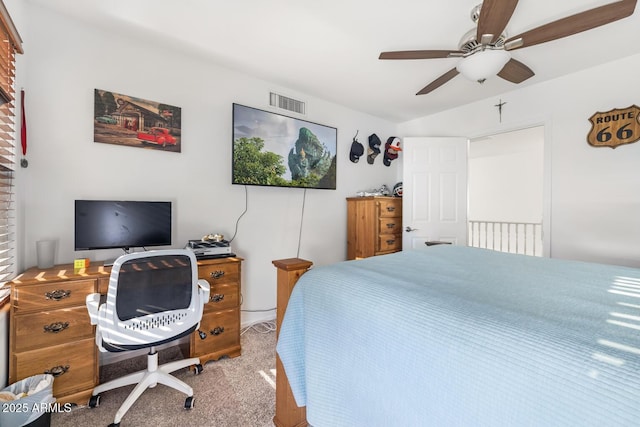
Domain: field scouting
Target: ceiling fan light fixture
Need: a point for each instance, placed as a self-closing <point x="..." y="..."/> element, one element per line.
<point x="483" y="64"/>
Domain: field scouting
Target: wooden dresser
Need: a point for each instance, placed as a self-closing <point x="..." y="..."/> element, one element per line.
<point x="50" y="329"/>
<point x="221" y="318"/>
<point x="374" y="226"/>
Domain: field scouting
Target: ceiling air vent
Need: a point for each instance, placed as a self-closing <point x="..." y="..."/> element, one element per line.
<point x="286" y="103"/>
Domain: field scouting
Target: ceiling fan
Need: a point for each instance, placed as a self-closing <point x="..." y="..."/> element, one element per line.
<point x="485" y="50"/>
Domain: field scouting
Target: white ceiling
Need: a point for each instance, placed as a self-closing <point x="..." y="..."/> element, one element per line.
<point x="330" y="48"/>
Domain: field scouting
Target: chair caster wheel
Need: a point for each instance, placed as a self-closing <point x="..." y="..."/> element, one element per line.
<point x="94" y="401"/>
<point x="197" y="370"/>
<point x="188" y="403"/>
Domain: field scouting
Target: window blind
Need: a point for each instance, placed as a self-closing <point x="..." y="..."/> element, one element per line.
<point x="10" y="44"/>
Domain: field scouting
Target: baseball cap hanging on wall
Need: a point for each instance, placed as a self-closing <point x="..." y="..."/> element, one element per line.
<point x="357" y="149"/>
<point x="374" y="148"/>
<point x="391" y="149"/>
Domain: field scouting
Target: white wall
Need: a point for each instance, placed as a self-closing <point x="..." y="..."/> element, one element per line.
<point x="595" y="192"/>
<point x="65" y="61"/>
<point x="506" y="176"/>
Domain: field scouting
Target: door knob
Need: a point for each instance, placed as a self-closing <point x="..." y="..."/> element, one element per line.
<point x="409" y="229"/>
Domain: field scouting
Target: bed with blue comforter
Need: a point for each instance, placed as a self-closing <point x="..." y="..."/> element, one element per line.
<point x="458" y="336"/>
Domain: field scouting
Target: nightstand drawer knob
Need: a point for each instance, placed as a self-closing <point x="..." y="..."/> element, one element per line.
<point x="56" y="371"/>
<point x="391" y="225"/>
<point x="391" y="208"/>
<point x="391" y="241"/>
<point x="217" y="330"/>
<point x="58" y="294"/>
<point x="217" y="298"/>
<point x="56" y="327"/>
<point x="217" y="274"/>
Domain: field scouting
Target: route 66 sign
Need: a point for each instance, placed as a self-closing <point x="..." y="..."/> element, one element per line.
<point x="615" y="127"/>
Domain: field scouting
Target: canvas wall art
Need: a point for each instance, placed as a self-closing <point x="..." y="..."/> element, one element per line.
<point x="135" y="122"/>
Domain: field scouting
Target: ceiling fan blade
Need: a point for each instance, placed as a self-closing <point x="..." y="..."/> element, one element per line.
<point x="494" y="16"/>
<point x="515" y="71"/>
<point x="573" y="24"/>
<point x="439" y="81"/>
<point x="420" y="54"/>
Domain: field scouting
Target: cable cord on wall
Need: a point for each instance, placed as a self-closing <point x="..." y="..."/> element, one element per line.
<point x="257" y="310"/>
<point x="246" y="207"/>
<point x="304" y="198"/>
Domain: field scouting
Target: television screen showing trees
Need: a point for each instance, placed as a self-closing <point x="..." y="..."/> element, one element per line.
<point x="271" y="149"/>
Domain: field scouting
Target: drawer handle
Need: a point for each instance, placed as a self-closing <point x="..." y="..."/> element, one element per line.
<point x="58" y="294"/>
<point x="391" y="242"/>
<point x="56" y="371"/>
<point x="391" y="225"/>
<point x="56" y="327"/>
<point x="217" y="274"/>
<point x="391" y="208"/>
<point x="217" y="297"/>
<point x="217" y="330"/>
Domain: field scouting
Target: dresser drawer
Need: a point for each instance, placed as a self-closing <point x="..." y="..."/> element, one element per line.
<point x="52" y="295"/>
<point x="47" y="328"/>
<point x="223" y="332"/>
<point x="387" y="208"/>
<point x="220" y="273"/>
<point x="389" y="242"/>
<point x="390" y="225"/>
<point x="73" y="365"/>
<point x="223" y="296"/>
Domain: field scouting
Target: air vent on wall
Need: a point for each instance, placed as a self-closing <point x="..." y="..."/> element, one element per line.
<point x="286" y="103"/>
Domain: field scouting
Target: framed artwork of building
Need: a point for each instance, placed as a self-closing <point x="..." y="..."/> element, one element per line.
<point x="135" y="122"/>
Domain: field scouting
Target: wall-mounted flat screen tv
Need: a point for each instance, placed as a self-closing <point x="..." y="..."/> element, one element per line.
<point x="270" y="149"/>
<point x="107" y="224"/>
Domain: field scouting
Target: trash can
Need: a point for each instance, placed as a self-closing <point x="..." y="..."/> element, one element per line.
<point x="32" y="408"/>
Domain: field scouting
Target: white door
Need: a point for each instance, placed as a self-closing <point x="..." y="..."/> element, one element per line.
<point x="434" y="180"/>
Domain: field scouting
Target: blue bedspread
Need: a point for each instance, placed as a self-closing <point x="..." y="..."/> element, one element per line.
<point x="457" y="336"/>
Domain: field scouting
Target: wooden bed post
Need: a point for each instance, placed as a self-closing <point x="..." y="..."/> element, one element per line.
<point x="288" y="414"/>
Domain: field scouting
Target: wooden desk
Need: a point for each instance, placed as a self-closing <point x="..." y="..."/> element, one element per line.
<point x="50" y="330"/>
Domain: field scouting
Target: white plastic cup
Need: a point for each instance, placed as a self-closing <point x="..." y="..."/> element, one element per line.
<point x="46" y="253"/>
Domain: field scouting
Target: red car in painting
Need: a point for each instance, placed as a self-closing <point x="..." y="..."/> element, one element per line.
<point x="156" y="135"/>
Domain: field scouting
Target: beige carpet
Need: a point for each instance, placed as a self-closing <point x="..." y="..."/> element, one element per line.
<point x="228" y="393"/>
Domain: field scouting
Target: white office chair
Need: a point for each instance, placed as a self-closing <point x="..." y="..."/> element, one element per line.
<point x="154" y="297"/>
